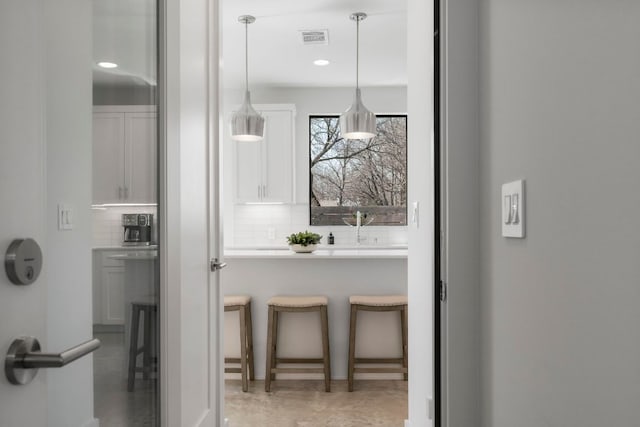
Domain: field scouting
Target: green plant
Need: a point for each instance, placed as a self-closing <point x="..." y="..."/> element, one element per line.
<point x="304" y="238"/>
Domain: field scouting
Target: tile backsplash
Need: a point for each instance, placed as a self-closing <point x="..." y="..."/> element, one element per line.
<point x="267" y="225"/>
<point x="107" y="223"/>
<point x="254" y="225"/>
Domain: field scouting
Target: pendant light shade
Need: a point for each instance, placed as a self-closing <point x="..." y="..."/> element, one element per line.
<point x="247" y="124"/>
<point x="358" y="122"/>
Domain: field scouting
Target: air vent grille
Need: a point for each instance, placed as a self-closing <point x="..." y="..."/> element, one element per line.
<point x="315" y="36"/>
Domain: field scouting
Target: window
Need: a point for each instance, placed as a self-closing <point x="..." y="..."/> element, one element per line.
<point x="350" y="176"/>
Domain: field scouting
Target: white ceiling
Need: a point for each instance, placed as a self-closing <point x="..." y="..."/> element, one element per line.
<point x="124" y="32"/>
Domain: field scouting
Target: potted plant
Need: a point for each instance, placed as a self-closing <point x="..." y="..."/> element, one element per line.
<point x="304" y="241"/>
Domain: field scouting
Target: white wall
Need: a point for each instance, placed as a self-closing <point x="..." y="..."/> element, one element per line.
<point x="560" y="84"/>
<point x="68" y="253"/>
<point x="247" y="225"/>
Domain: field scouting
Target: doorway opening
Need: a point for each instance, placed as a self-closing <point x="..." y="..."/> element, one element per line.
<point x="259" y="214"/>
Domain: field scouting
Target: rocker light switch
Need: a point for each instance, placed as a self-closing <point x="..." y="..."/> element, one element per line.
<point x="513" y="209"/>
<point x="65" y="217"/>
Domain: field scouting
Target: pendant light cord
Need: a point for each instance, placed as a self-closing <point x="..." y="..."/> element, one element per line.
<point x="246" y="56"/>
<point x="357" y="53"/>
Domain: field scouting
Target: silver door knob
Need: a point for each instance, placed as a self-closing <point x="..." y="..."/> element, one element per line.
<point x="24" y="358"/>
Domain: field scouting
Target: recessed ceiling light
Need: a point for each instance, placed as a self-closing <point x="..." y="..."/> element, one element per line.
<point x="107" y="64"/>
<point x="321" y="62"/>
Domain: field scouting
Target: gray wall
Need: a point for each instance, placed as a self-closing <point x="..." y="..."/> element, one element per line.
<point x="461" y="169"/>
<point x="560" y="87"/>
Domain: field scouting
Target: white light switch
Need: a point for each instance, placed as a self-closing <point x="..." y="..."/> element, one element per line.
<point x="513" y="209"/>
<point x="65" y="217"/>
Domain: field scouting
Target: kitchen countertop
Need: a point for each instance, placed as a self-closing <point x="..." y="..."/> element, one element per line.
<point x="125" y="248"/>
<point x="323" y="252"/>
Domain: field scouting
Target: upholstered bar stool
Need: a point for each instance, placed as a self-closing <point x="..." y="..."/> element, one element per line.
<point x="296" y="304"/>
<point x="242" y="304"/>
<point x="377" y="303"/>
<point x="147" y="312"/>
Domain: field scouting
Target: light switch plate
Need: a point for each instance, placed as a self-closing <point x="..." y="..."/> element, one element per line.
<point x="65" y="217"/>
<point x="513" y="209"/>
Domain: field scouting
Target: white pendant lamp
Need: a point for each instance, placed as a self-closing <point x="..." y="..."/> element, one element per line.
<point x="358" y="122"/>
<point x="247" y="124"/>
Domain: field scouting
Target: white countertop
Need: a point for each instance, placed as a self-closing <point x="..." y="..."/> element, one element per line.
<point x="324" y="252"/>
<point x="126" y="248"/>
<point x="135" y="255"/>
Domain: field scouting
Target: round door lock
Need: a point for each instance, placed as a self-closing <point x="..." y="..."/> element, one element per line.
<point x="23" y="261"/>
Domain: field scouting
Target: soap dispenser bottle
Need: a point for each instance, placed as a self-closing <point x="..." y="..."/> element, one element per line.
<point x="331" y="239"/>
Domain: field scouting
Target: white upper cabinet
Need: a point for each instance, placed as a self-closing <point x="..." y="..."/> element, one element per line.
<point x="124" y="154"/>
<point x="264" y="170"/>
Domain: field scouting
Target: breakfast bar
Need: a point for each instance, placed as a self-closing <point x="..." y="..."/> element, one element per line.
<point x="335" y="272"/>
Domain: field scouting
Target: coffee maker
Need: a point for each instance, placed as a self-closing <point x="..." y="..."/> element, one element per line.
<point x="137" y="229"/>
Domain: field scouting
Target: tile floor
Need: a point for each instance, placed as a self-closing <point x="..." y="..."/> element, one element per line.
<point x="114" y="406"/>
<point x="306" y="404"/>
<point x="289" y="404"/>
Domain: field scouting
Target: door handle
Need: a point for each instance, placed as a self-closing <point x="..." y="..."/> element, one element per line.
<point x="217" y="265"/>
<point x="24" y="358"/>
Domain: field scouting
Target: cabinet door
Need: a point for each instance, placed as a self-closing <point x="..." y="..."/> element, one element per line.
<point x="140" y="158"/>
<point x="113" y="295"/>
<point x="278" y="168"/>
<point x="248" y="171"/>
<point x="108" y="157"/>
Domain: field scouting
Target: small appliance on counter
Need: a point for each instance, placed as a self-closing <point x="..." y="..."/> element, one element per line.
<point x="137" y="229"/>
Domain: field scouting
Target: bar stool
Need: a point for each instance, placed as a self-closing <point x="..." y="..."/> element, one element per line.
<point x="148" y="312"/>
<point x="377" y="303"/>
<point x="296" y="304"/>
<point x="242" y="304"/>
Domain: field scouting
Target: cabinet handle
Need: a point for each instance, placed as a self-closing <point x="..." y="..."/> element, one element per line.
<point x="258" y="191"/>
<point x="119" y="193"/>
<point x="264" y="191"/>
<point x="126" y="192"/>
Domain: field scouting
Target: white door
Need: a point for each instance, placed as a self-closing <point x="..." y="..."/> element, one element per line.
<point x="45" y="162"/>
<point x="45" y="158"/>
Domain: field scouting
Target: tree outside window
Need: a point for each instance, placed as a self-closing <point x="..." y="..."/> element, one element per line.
<point x="347" y="176"/>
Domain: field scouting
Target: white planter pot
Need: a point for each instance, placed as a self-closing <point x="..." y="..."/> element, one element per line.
<point x="303" y="249"/>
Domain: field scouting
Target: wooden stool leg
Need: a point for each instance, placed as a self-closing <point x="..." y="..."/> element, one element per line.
<point x="276" y="323"/>
<point x="146" y="339"/>
<point x="405" y="340"/>
<point x="133" y="347"/>
<point x="270" y="348"/>
<point x="249" y="322"/>
<point x="324" y="321"/>
<point x="352" y="346"/>
<point x="243" y="349"/>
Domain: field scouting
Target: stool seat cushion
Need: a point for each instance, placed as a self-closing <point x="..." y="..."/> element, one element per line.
<point x="378" y="300"/>
<point x="297" y="301"/>
<point x="230" y="300"/>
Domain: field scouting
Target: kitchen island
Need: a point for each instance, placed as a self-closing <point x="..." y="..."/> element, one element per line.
<point x="336" y="272"/>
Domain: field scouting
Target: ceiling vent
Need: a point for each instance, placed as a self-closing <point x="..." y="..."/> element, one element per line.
<point x="315" y="36"/>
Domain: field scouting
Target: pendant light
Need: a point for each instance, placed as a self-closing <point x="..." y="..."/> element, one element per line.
<point x="247" y="124"/>
<point x="358" y="122"/>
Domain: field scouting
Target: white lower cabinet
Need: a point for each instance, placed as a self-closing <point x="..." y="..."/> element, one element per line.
<point x="108" y="289"/>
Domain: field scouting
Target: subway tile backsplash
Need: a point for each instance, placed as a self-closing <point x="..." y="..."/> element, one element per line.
<point x="269" y="225"/>
<point x="254" y="225"/>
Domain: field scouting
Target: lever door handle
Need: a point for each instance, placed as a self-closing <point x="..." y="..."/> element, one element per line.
<point x="217" y="265"/>
<point x="24" y="358"/>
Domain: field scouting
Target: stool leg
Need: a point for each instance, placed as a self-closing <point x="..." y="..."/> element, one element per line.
<point x="405" y="341"/>
<point x="267" y="374"/>
<point x="274" y="358"/>
<point x="133" y="347"/>
<point x="250" y="358"/>
<point x="324" y="320"/>
<point x="352" y="346"/>
<point x="146" y="339"/>
<point x="243" y="349"/>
